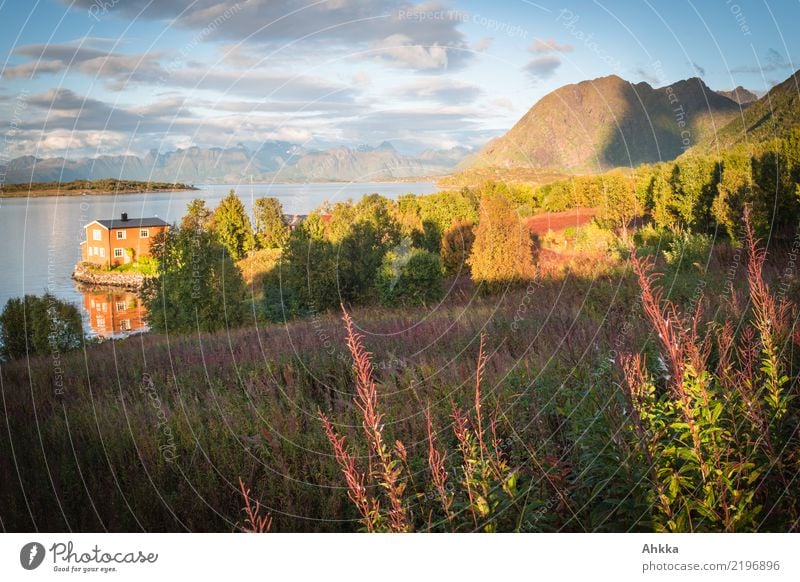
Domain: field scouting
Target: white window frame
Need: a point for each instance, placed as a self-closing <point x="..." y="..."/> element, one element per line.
<point x="96" y="234"/>
<point x="122" y="306"/>
<point x="125" y="324"/>
<point x="89" y="251"/>
<point x="122" y="235"/>
<point x="102" y="252"/>
<point x="119" y="253"/>
<point x="144" y="233"/>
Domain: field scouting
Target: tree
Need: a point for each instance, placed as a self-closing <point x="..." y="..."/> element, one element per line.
<point x="232" y="226"/>
<point x="198" y="287"/>
<point x="410" y="276"/>
<point x="735" y="190"/>
<point x="502" y="253"/>
<point x="443" y="208"/>
<point x="620" y="205"/>
<point x="39" y="325"/>
<point x="307" y="279"/>
<point x="456" y="246"/>
<point x="198" y="216"/>
<point x="271" y="230"/>
<point x="694" y="180"/>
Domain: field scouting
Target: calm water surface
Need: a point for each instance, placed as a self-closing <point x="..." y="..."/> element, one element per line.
<point x="41" y="236"/>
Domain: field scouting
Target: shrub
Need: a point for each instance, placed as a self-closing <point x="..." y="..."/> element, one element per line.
<point x="39" y="325"/>
<point x="410" y="276"/>
<point x="687" y="249"/>
<point x="594" y="239"/>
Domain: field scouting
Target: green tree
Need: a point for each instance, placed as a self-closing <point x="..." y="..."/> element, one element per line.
<point x="620" y="205"/>
<point x="306" y="281"/>
<point x="694" y="181"/>
<point x="39" y="325"/>
<point x="502" y="253"/>
<point x="198" y="216"/>
<point x="456" y="247"/>
<point x="198" y="288"/>
<point x="232" y="226"/>
<point x="662" y="199"/>
<point x="410" y="276"/>
<point x="271" y="230"/>
<point x="443" y="208"/>
<point x="735" y="190"/>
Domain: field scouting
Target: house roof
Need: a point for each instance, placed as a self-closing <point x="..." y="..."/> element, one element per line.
<point x="131" y="223"/>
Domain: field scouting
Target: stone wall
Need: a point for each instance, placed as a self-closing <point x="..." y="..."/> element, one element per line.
<point x="91" y="276"/>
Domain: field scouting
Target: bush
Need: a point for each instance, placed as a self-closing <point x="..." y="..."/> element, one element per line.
<point x="593" y="239"/>
<point x="410" y="276"/>
<point x="688" y="249"/>
<point x="39" y="325"/>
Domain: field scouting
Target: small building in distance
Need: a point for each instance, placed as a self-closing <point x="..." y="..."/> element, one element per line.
<point x="114" y="242"/>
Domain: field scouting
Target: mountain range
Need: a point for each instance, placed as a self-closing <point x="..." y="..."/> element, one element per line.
<point x="609" y="122"/>
<point x="586" y="127"/>
<point x="279" y="161"/>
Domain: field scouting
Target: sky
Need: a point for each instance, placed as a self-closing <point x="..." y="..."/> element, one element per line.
<point x="96" y="77"/>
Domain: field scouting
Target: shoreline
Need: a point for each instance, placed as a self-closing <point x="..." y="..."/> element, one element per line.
<point x="71" y="193"/>
<point x="128" y="281"/>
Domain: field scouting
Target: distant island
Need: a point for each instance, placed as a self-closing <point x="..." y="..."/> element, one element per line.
<point x="80" y="187"/>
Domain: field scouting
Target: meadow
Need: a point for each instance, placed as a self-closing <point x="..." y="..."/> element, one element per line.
<point x="153" y="433"/>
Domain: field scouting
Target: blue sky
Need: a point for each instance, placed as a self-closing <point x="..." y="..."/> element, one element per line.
<point x="91" y="77"/>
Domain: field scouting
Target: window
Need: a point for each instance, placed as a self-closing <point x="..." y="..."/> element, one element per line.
<point x="102" y="251"/>
<point x="96" y="235"/>
<point x="144" y="233"/>
<point x="89" y="251"/>
<point x="121" y="306"/>
<point x="118" y="253"/>
<point x="120" y="234"/>
<point x="101" y="322"/>
<point x="125" y="324"/>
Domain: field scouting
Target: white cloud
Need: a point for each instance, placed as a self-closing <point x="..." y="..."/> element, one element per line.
<point x="549" y="46"/>
<point x="543" y="67"/>
<point x="399" y="50"/>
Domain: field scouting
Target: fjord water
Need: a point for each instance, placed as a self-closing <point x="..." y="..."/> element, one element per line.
<point x="41" y="236"/>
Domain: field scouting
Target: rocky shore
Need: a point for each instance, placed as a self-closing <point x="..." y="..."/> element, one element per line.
<point x="88" y="275"/>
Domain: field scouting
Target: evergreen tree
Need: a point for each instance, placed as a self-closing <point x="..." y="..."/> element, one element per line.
<point x="271" y="230"/>
<point x="232" y="226"/>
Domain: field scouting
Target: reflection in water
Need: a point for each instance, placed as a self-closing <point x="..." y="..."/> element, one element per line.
<point x="113" y="312"/>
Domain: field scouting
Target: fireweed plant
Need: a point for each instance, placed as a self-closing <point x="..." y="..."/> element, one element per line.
<point x="470" y="488"/>
<point x="718" y="429"/>
<point x="711" y="425"/>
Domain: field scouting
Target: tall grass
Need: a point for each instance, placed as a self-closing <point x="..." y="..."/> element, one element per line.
<point x="151" y="433"/>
